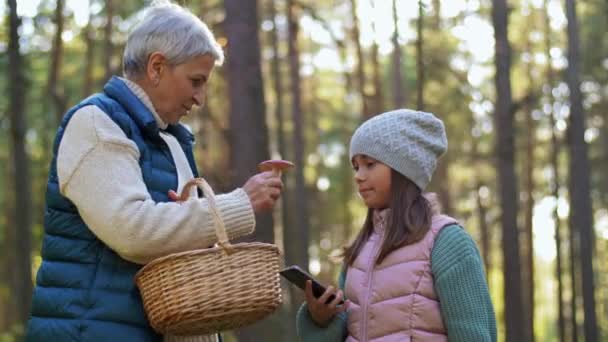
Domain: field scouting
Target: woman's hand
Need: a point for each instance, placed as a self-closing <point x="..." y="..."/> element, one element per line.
<point x="263" y="190"/>
<point x="320" y="311"/>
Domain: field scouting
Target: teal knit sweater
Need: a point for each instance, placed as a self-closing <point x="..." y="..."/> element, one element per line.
<point x="460" y="283"/>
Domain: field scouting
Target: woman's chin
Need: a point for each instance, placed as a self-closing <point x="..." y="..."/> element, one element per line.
<point x="175" y="118"/>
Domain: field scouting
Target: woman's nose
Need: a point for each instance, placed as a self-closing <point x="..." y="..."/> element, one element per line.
<point x="199" y="98"/>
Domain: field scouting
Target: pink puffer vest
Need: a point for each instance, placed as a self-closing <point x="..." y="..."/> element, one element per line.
<point x="395" y="300"/>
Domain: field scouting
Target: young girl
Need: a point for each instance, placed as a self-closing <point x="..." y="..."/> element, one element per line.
<point x="411" y="274"/>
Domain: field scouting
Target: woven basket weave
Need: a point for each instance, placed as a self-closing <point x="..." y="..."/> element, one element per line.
<point x="210" y="290"/>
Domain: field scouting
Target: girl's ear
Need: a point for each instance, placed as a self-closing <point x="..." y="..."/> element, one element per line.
<point x="157" y="63"/>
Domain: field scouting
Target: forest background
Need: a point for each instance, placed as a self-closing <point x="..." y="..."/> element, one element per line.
<point x="522" y="87"/>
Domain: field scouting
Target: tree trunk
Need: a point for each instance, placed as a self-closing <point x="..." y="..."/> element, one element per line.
<point x="603" y="189"/>
<point x="19" y="234"/>
<point x="437" y="15"/>
<point x="346" y="182"/>
<point x="108" y="45"/>
<point x="296" y="251"/>
<point x="247" y="106"/>
<point x="507" y="180"/>
<point x="366" y="113"/>
<point x="7" y="305"/>
<point x="89" y="41"/>
<point x="559" y="268"/>
<point x="481" y="211"/>
<point x="485" y="232"/>
<point x="442" y="173"/>
<point x="581" y="212"/>
<point x="279" y="106"/>
<point x="248" y="114"/>
<point x="213" y="140"/>
<point x="378" y="102"/>
<point x="555" y="147"/>
<point x="288" y="323"/>
<point x="573" y="236"/>
<point x="442" y="179"/>
<point x="399" y="91"/>
<point x="528" y="236"/>
<point x="312" y="131"/>
<point x="5" y="311"/>
<point x="420" y="58"/>
<point x="200" y="117"/>
<point x="54" y="89"/>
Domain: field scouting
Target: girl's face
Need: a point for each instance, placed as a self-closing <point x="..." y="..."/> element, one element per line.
<point x="373" y="180"/>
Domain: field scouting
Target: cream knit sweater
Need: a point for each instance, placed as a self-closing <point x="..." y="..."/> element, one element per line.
<point x="98" y="170"/>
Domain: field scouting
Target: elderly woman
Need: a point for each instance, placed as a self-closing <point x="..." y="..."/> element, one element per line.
<point x="117" y="154"/>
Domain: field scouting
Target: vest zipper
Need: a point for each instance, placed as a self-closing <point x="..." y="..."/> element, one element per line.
<point x="370" y="277"/>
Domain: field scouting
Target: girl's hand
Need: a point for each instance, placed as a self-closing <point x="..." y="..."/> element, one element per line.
<point x="321" y="312"/>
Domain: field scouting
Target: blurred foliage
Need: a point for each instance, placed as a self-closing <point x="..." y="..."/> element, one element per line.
<point x="332" y="112"/>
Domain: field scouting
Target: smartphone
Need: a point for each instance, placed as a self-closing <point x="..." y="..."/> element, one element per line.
<point x="298" y="277"/>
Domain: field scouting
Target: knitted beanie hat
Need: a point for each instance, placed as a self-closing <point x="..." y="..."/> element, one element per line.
<point x="408" y="141"/>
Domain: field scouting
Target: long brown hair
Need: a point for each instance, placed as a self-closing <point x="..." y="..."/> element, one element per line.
<point x="408" y="221"/>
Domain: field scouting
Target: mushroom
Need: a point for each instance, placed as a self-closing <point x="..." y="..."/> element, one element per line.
<point x="275" y="165"/>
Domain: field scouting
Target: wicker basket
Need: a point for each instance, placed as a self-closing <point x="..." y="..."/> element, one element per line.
<point x="210" y="290"/>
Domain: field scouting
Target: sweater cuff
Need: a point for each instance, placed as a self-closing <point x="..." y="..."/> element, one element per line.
<point x="309" y="331"/>
<point x="200" y="338"/>
<point x="237" y="213"/>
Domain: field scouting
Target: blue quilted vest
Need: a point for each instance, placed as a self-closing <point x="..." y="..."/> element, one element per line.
<point x="84" y="290"/>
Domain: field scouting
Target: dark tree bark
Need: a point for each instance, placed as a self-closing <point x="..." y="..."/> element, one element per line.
<point x="248" y="130"/>
<point x="365" y="109"/>
<point x="481" y="211"/>
<point x="378" y="100"/>
<point x="507" y="180"/>
<point x="485" y="232"/>
<point x="555" y="183"/>
<point x="288" y="324"/>
<point x="442" y="179"/>
<point x="18" y="238"/>
<point x="213" y="139"/>
<point x="8" y="209"/>
<point x="436" y="15"/>
<point x="88" y="35"/>
<point x="279" y="105"/>
<point x="55" y="90"/>
<point x="297" y="235"/>
<point x="213" y="135"/>
<point x="399" y="91"/>
<point x="108" y="45"/>
<point x="346" y="183"/>
<point x="575" y="282"/>
<point x="420" y="58"/>
<point x="527" y="251"/>
<point x="581" y="212"/>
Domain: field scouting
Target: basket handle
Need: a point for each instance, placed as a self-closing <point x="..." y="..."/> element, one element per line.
<point x="220" y="227"/>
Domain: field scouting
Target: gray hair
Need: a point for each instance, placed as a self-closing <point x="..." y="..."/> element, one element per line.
<point x="171" y="30"/>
